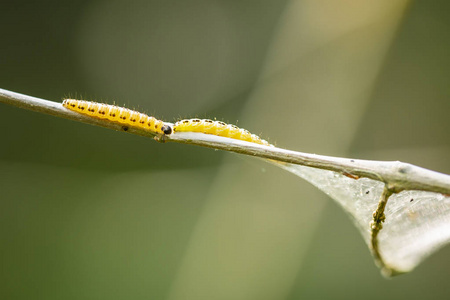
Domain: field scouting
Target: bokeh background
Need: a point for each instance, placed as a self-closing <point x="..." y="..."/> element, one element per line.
<point x="89" y="213"/>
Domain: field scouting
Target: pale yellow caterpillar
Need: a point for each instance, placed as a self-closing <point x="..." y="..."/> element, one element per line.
<point x="119" y="115"/>
<point x="131" y="118"/>
<point x="218" y="128"/>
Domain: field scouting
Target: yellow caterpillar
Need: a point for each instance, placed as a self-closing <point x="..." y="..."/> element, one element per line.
<point x="131" y="118"/>
<point x="120" y="115"/>
<point x="218" y="128"/>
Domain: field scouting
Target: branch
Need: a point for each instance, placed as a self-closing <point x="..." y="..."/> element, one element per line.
<point x="396" y="175"/>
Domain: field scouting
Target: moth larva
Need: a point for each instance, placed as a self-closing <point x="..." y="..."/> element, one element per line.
<point x="117" y="114"/>
<point x="218" y="128"/>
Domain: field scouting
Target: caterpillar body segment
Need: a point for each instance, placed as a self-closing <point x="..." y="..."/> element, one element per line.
<point x="218" y="128"/>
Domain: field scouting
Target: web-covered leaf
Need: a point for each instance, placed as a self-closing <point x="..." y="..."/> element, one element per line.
<point x="417" y="222"/>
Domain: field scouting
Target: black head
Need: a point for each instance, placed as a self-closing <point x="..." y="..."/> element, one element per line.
<point x="167" y="129"/>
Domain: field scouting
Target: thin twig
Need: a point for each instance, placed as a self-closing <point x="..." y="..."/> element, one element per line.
<point x="399" y="176"/>
<point x="375" y="226"/>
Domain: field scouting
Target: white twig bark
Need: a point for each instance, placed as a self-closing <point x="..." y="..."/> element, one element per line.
<point x="397" y="176"/>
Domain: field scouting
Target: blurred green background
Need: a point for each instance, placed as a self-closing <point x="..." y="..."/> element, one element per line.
<point x="89" y="213"/>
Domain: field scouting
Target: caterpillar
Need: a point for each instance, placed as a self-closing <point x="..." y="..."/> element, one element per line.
<point x="119" y="115"/>
<point x="128" y="117"/>
<point x="218" y="128"/>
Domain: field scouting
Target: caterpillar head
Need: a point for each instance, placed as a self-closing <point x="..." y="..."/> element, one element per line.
<point x="167" y="129"/>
